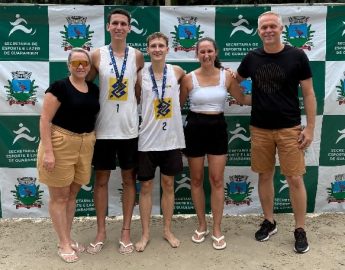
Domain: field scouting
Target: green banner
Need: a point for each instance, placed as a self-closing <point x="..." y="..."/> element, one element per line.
<point x="144" y="21"/>
<point x="183" y="197"/>
<point x="318" y="70"/>
<point x="238" y="141"/>
<point x="85" y="203"/>
<point x="332" y="148"/>
<point x="335" y="29"/>
<point x="282" y="203"/>
<point x="19" y="141"/>
<point x="24" y="30"/>
<point x="236" y="31"/>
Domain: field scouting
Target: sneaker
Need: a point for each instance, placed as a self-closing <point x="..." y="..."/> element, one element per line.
<point x="301" y="244"/>
<point x="267" y="229"/>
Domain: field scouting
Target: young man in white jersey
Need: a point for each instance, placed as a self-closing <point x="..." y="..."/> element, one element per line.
<point x="160" y="135"/>
<point x="117" y="125"/>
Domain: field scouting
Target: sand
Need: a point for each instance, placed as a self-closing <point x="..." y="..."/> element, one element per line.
<point x="31" y="244"/>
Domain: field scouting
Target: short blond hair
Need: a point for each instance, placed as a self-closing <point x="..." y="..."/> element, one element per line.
<point x="77" y="49"/>
<point x="280" y="20"/>
<point x="157" y="35"/>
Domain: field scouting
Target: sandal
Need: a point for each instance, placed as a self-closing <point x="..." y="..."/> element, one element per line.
<point x="68" y="257"/>
<point x="78" y="247"/>
<point x="126" y="249"/>
<point x="95" y="248"/>
<point x="199" y="234"/>
<point x="216" y="242"/>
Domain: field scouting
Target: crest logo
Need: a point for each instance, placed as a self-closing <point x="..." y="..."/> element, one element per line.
<point x="19" y="25"/>
<point x="246" y="87"/>
<point x="27" y="194"/>
<point x="299" y="33"/>
<point x="76" y="34"/>
<point x="238" y="190"/>
<point x="341" y="91"/>
<point x="186" y="34"/>
<point x="21" y="90"/>
<point x="336" y="193"/>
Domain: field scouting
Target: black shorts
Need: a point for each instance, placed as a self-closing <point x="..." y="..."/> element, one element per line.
<point x="205" y="134"/>
<point x="108" y="151"/>
<point x="169" y="162"/>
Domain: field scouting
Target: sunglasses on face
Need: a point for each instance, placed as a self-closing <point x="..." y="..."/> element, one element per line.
<point x="77" y="63"/>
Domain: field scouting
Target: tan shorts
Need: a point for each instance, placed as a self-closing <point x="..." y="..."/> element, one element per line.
<point x="264" y="143"/>
<point x="73" y="154"/>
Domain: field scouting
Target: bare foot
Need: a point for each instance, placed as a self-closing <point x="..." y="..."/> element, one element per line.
<point x="141" y="245"/>
<point x="173" y="241"/>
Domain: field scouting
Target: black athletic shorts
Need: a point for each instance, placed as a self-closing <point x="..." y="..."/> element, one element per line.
<point x="205" y="134"/>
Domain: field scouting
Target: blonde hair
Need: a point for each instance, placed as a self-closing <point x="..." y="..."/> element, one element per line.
<point x="77" y="49"/>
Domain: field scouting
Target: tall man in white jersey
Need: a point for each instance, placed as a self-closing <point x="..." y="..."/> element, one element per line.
<point x="160" y="135"/>
<point x="117" y="125"/>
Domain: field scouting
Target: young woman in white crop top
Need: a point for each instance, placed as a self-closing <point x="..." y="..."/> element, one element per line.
<point x="206" y="134"/>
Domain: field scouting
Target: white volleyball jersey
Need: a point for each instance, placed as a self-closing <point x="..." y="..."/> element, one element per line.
<point x="118" y="116"/>
<point x="161" y="127"/>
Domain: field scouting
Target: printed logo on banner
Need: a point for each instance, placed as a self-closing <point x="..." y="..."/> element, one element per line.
<point x="22" y="133"/>
<point x="24" y="29"/>
<point x="238" y="191"/>
<point x="19" y="141"/>
<point x="341" y="91"/>
<point x="239" y="141"/>
<point x="236" y="31"/>
<point x="299" y="33"/>
<point x="137" y="193"/>
<point x="282" y="200"/>
<point x="246" y="87"/>
<point x="84" y="204"/>
<point x="76" y="34"/>
<point x="341" y="135"/>
<point x="183" y="199"/>
<point x="186" y="34"/>
<point x="282" y="203"/>
<point x="21" y="90"/>
<point x="27" y="194"/>
<point x="20" y="24"/>
<point x="243" y="25"/>
<point x="332" y="148"/>
<point x="336" y="193"/>
<point x="135" y="27"/>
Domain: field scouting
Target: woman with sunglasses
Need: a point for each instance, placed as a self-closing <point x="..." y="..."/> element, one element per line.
<point x="65" y="152"/>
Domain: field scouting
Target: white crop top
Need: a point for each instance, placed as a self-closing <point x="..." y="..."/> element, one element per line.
<point x="208" y="98"/>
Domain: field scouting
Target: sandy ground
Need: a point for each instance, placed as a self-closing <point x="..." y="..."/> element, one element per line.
<point x="31" y="244"/>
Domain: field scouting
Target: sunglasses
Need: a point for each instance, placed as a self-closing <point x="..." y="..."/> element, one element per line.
<point x="77" y="63"/>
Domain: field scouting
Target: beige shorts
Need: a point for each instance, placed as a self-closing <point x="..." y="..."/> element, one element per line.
<point x="73" y="155"/>
<point x="264" y="143"/>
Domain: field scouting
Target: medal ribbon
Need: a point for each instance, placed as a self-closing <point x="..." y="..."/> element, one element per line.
<point x="119" y="77"/>
<point x="154" y="84"/>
